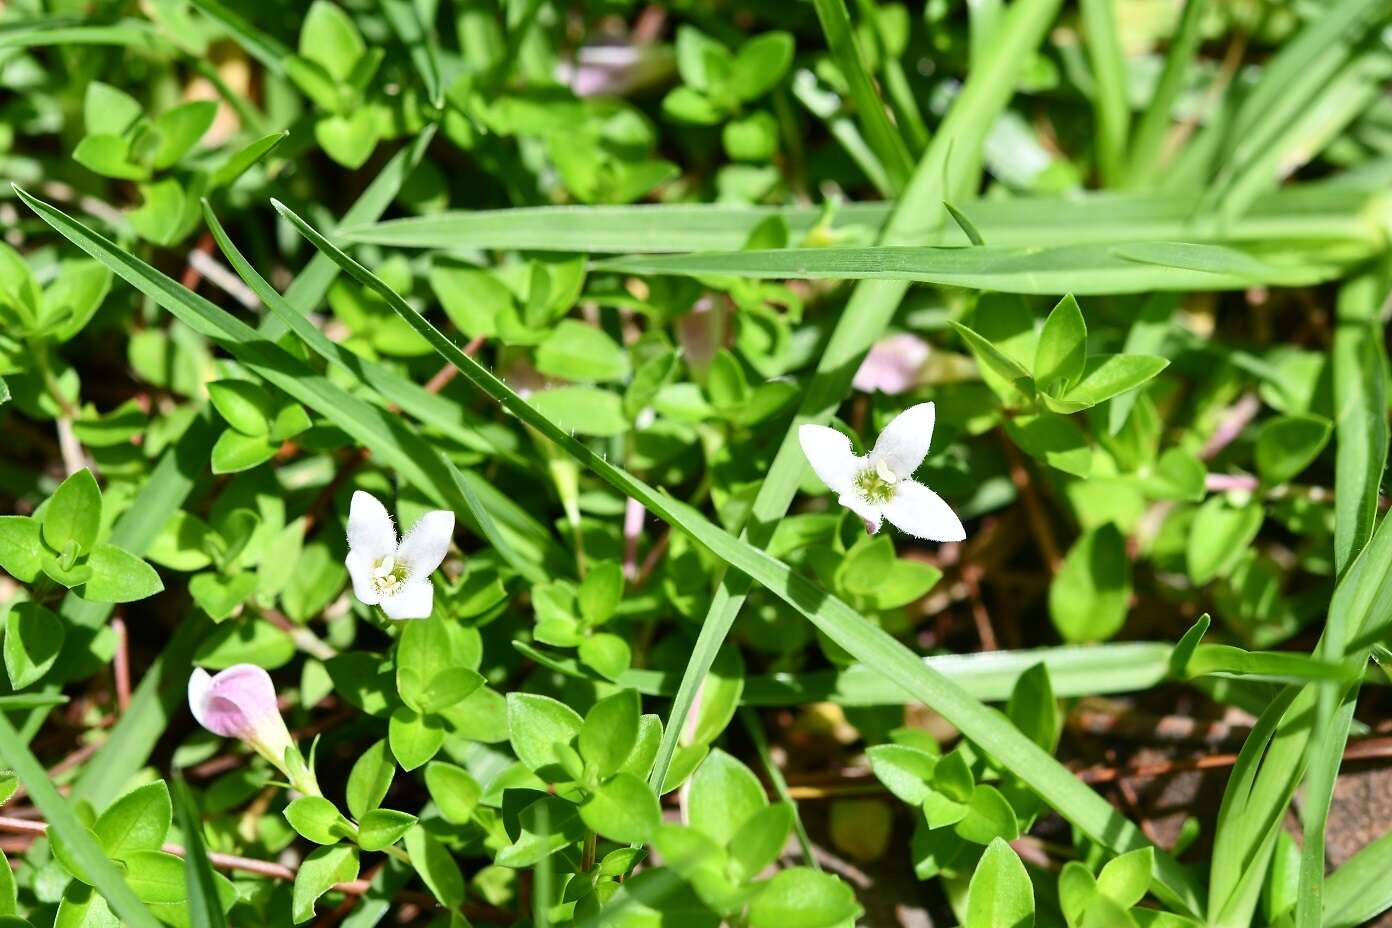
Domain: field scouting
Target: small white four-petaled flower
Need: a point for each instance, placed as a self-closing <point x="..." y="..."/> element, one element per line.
<point x="395" y="575"/>
<point x="880" y="485"/>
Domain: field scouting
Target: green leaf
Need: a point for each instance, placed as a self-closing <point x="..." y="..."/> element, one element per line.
<point x="609" y="732"/>
<point x="329" y="37"/>
<point x="414" y="738"/>
<point x="20" y="543"/>
<point x="535" y="724"/>
<point x="1287" y="445"/>
<point x="436" y="866"/>
<point x="905" y="771"/>
<point x="760" y="841"/>
<point x="370" y="779"/>
<point x="157" y="878"/>
<point x="138" y="821"/>
<point x="582" y="410"/>
<point x="1219" y="536"/>
<point x="608" y="655"/>
<point x="1000" y="894"/>
<point x="600" y="592"/>
<point x="1055" y="440"/>
<point x="804" y="897"/>
<point x="576" y="351"/>
<point x="33" y="640"/>
<point x="1000" y="363"/>
<point x="1089" y="596"/>
<point x="349" y="139"/>
<point x="180" y="129"/>
<point x="160" y="216"/>
<point x="1062" y="351"/>
<point x="1106" y="376"/>
<point x="1125" y="879"/>
<point x="724" y="794"/>
<point x="382" y="828"/>
<point x="119" y="576"/>
<point x="108" y="155"/>
<point x="246" y="406"/>
<point x="1077" y="888"/>
<point x="242" y="160"/>
<point x="73" y="513"/>
<point x="454" y="790"/>
<point x="319" y="820"/>
<point x="317" y="875"/>
<point x="235" y="452"/>
<point x="1033" y="709"/>
<point x="989" y="816"/>
<point x="623" y="809"/>
<point x="107" y="110"/>
<point x="760" y="63"/>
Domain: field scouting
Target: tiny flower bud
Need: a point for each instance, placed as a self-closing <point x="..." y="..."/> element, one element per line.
<point x="240" y="702"/>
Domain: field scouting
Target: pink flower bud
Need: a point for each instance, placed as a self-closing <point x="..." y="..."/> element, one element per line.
<point x="892" y="365"/>
<point x="240" y="702"/>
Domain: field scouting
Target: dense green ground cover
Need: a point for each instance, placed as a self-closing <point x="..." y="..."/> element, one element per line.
<point x="784" y="465"/>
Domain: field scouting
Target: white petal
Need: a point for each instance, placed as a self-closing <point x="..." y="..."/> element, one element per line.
<point x="866" y="510"/>
<point x="200" y="682"/>
<point x="918" y="511"/>
<point x="904" y="443"/>
<point x="425" y="544"/>
<point x="414" y="601"/>
<point x="370" y="529"/>
<point x="829" y="452"/>
<point x="360" y="570"/>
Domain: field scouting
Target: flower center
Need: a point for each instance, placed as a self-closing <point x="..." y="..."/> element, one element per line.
<point x="876" y="483"/>
<point x="388" y="575"/>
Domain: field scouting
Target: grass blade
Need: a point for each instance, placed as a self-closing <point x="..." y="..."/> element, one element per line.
<point x="988" y="676"/>
<point x="864" y="640"/>
<point x="1113" y="113"/>
<point x="76" y="836"/>
<point x="1359" y="891"/>
<point x="405" y="20"/>
<point x="1147" y="145"/>
<point x="204" y="906"/>
<point x="884" y="139"/>
<point x="1360" y="398"/>
<point x="1307" y="214"/>
<point x="267" y="49"/>
<point x="314" y="280"/>
<point x="1079" y="269"/>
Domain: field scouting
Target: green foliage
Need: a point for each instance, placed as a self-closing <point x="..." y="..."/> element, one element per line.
<point x="571" y="289"/>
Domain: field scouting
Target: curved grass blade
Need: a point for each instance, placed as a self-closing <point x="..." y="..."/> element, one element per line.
<point x="843" y="625"/>
<point x="80" y="841"/>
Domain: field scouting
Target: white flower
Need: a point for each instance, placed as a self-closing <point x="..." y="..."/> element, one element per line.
<point x="880" y="485"/>
<point x="396" y="576"/>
